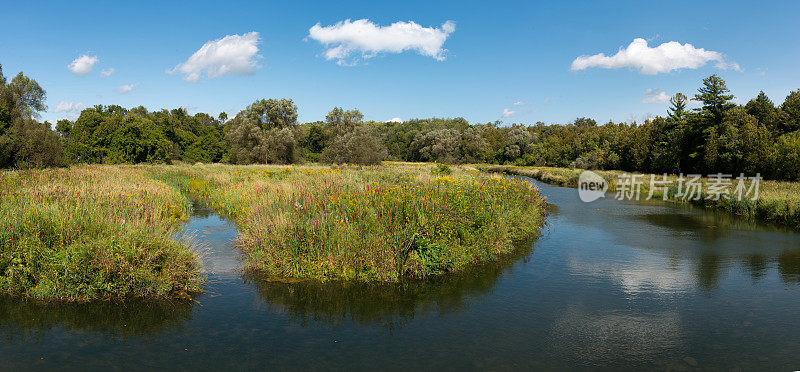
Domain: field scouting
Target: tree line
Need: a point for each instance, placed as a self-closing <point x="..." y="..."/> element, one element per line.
<point x="718" y="136"/>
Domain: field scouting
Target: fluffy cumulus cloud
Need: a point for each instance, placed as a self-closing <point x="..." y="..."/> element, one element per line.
<point x="83" y="64"/>
<point x="654" y="60"/>
<point x="394" y="120"/>
<point x="508" y="113"/>
<point x="68" y="107"/>
<point x="107" y="72"/>
<point x="232" y="54"/>
<point x="655" y="96"/>
<point x="125" y="89"/>
<point x="367" y="39"/>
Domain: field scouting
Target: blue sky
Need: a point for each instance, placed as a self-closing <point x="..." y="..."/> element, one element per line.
<point x="493" y="55"/>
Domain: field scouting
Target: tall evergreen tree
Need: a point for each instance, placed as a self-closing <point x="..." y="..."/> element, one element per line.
<point x="677" y="110"/>
<point x="716" y="100"/>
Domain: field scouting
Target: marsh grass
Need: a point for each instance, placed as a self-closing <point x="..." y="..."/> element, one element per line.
<point x="110" y="232"/>
<point x="92" y="232"/>
<point x="376" y="223"/>
<point x="778" y="202"/>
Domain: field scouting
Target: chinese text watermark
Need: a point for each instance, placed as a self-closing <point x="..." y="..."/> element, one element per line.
<point x="690" y="187"/>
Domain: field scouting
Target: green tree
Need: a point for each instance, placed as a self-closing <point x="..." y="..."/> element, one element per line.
<point x="787" y="157"/>
<point x="272" y="113"/>
<point x="24" y="142"/>
<point x="677" y="110"/>
<point x="264" y="132"/>
<point x="790" y="107"/>
<point x="359" y="146"/>
<point x="763" y="110"/>
<point x="340" y="121"/>
<point x="23" y="97"/>
<point x="585" y="122"/>
<point x="716" y="101"/>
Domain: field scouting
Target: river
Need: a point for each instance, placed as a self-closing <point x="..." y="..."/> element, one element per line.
<point x="609" y="285"/>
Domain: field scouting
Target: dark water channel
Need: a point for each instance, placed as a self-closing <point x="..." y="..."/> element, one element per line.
<point x="610" y="285"/>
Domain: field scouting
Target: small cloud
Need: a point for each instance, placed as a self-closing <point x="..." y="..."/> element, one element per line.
<point x="125" y="89"/>
<point x="83" y="64"/>
<point x="650" y="61"/>
<point x="394" y="120"/>
<point x="655" y="96"/>
<point x="107" y="72"/>
<point x="67" y="107"/>
<point x="521" y="103"/>
<point x="369" y="39"/>
<point x="547" y="100"/>
<point x="762" y="70"/>
<point x="508" y="113"/>
<point x="232" y="54"/>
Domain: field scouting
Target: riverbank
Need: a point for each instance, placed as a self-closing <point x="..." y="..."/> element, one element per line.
<point x="102" y="232"/>
<point x="778" y="202"/>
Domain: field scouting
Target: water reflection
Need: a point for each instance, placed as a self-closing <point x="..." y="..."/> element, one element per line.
<point x="789" y="266"/>
<point x="386" y="304"/>
<point x="24" y="319"/>
<point x="646" y="273"/>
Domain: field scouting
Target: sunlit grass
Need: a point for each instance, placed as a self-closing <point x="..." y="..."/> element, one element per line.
<point x="91" y="232"/>
<point x="100" y="232"/>
<point x="379" y="223"/>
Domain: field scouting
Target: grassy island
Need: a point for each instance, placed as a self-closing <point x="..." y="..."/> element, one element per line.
<point x="382" y="223"/>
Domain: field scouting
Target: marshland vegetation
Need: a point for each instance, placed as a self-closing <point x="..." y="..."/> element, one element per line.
<point x="382" y="223"/>
<point x="97" y="231"/>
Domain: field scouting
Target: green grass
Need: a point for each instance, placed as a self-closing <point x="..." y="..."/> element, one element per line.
<point x="377" y="223"/>
<point x="778" y="202"/>
<point x="108" y="232"/>
<point x="92" y="232"/>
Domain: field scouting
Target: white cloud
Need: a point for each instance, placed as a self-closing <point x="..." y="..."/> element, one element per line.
<point x="508" y="113"/>
<point x="394" y="120"/>
<point x="83" y="64"/>
<point x="655" y="96"/>
<point x="65" y="106"/>
<point x="232" y="54"/>
<point x="107" y="72"/>
<point x="521" y="103"/>
<point x="650" y="61"/>
<point x="369" y="39"/>
<point x="125" y="89"/>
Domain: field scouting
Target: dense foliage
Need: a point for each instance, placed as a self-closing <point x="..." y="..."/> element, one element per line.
<point x="718" y="136"/>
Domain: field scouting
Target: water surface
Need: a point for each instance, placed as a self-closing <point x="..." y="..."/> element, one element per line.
<point x="611" y="284"/>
